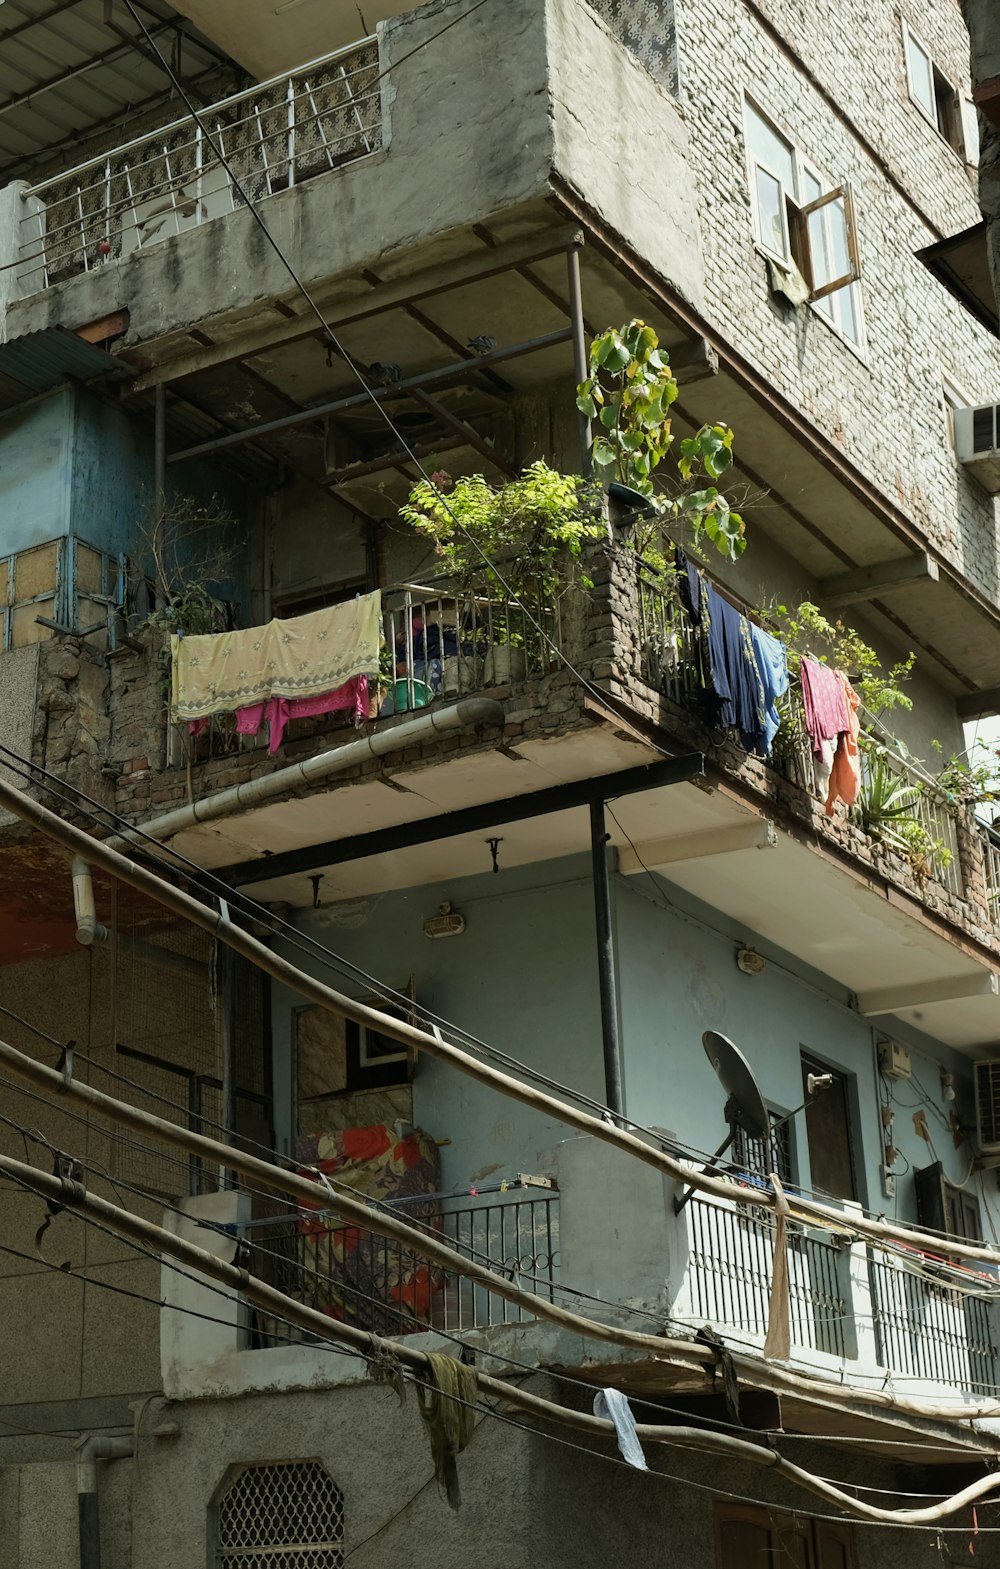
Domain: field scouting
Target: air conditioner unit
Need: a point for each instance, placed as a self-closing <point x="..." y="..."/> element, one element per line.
<point x="977" y="443"/>
<point x="988" y="1106"/>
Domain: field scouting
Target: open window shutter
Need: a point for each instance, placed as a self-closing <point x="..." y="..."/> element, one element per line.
<point x="840" y="205"/>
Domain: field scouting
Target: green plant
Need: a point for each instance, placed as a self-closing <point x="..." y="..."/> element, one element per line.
<point x="521" y="534"/>
<point x="970" y="778"/>
<point x="806" y="630"/>
<point x="190" y="546"/>
<point x="628" y="395"/>
<point x="885" y="807"/>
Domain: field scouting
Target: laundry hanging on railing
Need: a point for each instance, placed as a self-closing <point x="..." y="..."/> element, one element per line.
<point x="831" y="708"/>
<point x="309" y="664"/>
<point x="745" y="669"/>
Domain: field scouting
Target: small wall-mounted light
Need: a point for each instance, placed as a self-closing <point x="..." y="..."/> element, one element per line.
<point x="947" y="1086"/>
<point x="750" y="961"/>
<point x="447" y="922"/>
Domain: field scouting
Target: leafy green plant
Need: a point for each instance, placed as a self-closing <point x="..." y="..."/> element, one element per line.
<point x="524" y="532"/>
<point x="970" y="778"/>
<point x="628" y="395"/>
<point x="885" y="807"/>
<point x="806" y="630"/>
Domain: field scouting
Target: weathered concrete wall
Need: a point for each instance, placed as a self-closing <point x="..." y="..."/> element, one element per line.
<point x="983" y="22"/>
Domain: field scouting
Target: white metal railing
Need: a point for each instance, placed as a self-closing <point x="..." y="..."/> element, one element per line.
<point x="273" y="136"/>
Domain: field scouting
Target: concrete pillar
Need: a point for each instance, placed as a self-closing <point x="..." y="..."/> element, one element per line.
<point x="618" y="1236"/>
<point x="187" y="1343"/>
<point x="15" y="278"/>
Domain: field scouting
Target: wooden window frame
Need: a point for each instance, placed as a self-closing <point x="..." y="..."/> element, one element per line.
<point x="798" y="223"/>
<point x="817" y="1534"/>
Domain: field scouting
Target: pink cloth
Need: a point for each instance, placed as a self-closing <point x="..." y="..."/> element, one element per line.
<point x="845" y="776"/>
<point x="825" y="702"/>
<point x="279" y="710"/>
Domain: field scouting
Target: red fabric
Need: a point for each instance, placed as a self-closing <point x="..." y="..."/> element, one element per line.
<point x="825" y="702"/>
<point x="845" y="775"/>
<point x="365" y="1143"/>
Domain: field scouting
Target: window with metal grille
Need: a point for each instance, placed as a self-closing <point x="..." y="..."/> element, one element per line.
<point x="759" y="1157"/>
<point x="287" y="1514"/>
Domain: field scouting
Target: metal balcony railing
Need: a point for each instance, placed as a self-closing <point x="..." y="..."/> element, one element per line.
<point x="930" y="1332"/>
<point x="731" y="1266"/>
<point x="385" y="1287"/>
<point x="669" y="661"/>
<point x="275" y="135"/>
<point x="445" y="641"/>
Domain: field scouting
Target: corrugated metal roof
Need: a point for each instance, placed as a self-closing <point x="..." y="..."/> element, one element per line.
<point x="67" y="76"/>
<point x="41" y="360"/>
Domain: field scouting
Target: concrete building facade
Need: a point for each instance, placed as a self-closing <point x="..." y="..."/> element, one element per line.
<point x="217" y="378"/>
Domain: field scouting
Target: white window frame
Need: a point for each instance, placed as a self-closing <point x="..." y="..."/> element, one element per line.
<point x="962" y="106"/>
<point x="954" y="396"/>
<point x="827" y="300"/>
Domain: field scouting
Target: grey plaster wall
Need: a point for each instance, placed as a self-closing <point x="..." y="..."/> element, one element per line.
<point x="527" y="1499"/>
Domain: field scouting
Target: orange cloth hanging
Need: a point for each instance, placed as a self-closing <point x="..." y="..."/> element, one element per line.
<point x="845" y="776"/>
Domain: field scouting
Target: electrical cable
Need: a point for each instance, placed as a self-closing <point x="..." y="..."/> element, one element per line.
<point x="442" y="499"/>
<point x="810" y="1481"/>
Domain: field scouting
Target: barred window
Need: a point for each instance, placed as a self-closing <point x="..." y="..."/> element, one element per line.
<point x="286" y="1514"/>
<point x="759" y="1157"/>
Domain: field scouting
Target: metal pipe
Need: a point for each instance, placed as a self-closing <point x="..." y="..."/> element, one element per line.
<point x="159" y="452"/>
<point x="88" y="928"/>
<point x="606" y="960"/>
<point x="398" y="389"/>
<point x="581" y="364"/>
<point x="88" y="1451"/>
<point x="459" y="716"/>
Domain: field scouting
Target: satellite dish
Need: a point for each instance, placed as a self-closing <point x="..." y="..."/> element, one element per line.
<point x="745" y="1107"/>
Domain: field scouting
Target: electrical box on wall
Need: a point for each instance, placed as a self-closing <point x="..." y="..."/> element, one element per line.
<point x="893" y="1060"/>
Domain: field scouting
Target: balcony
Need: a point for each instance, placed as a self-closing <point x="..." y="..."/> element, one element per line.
<point x="274" y="136"/>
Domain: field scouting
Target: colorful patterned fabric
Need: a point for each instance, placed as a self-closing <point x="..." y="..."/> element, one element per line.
<point x="365" y="1279"/>
<point x="307" y="656"/>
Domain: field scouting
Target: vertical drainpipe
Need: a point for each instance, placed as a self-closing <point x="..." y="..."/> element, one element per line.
<point x="606" y="961"/>
<point x="581" y="364"/>
<point x="88" y="1451"/>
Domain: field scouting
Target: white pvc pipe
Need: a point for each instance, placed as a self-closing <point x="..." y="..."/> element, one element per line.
<point x="88" y="927"/>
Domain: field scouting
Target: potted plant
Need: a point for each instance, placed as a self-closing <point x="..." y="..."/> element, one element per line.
<point x="628" y="395"/>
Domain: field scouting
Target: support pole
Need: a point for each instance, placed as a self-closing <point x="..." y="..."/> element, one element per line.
<point x="606" y="960"/>
<point x="581" y="364"/>
<point x="160" y="452"/>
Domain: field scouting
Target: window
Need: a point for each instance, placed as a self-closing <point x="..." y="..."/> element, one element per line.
<point x="759" y="1157"/>
<point x="935" y="97"/>
<point x="749" y="1538"/>
<point x="274" y="1516"/>
<point x="804" y="223"/>
<point x="946" y="1208"/>
<point x="828" y="1133"/>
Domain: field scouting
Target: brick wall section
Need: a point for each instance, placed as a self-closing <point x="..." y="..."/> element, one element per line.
<point x="885" y="412"/>
<point x="72" y="729"/>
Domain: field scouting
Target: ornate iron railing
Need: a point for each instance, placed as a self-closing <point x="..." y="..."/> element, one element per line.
<point x="929" y="1331"/>
<point x="275" y="135"/>
<point x="387" y="1287"/>
<point x="731" y="1266"/>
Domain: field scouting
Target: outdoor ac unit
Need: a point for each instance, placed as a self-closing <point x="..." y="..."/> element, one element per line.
<point x="977" y="442"/>
<point x="988" y="1107"/>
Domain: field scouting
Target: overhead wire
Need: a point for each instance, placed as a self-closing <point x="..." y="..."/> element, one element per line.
<point x="872" y="1514"/>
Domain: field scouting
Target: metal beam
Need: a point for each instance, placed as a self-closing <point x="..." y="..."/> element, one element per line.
<point x="470" y="819"/>
<point x="441" y="377"/>
<point x="606" y="971"/>
<point x="922" y="994"/>
<point x="401" y="292"/>
<point x="979" y="705"/>
<point x="754" y="835"/>
<point x="880" y="578"/>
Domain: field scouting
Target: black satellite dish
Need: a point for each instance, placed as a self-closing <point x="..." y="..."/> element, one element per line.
<point x="745" y="1105"/>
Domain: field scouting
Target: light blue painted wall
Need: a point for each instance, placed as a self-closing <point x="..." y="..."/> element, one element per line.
<point x="71" y="463"/>
<point x="679" y="977"/>
<point x="523" y="977"/>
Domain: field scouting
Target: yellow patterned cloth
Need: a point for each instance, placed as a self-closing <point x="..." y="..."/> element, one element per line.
<point x="304" y="657"/>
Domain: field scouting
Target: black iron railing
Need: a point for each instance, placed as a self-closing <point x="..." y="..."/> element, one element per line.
<point x="353" y="1275"/>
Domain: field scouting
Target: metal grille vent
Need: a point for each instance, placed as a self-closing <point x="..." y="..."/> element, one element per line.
<point x="285" y="1515"/>
<point x="988" y="1106"/>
